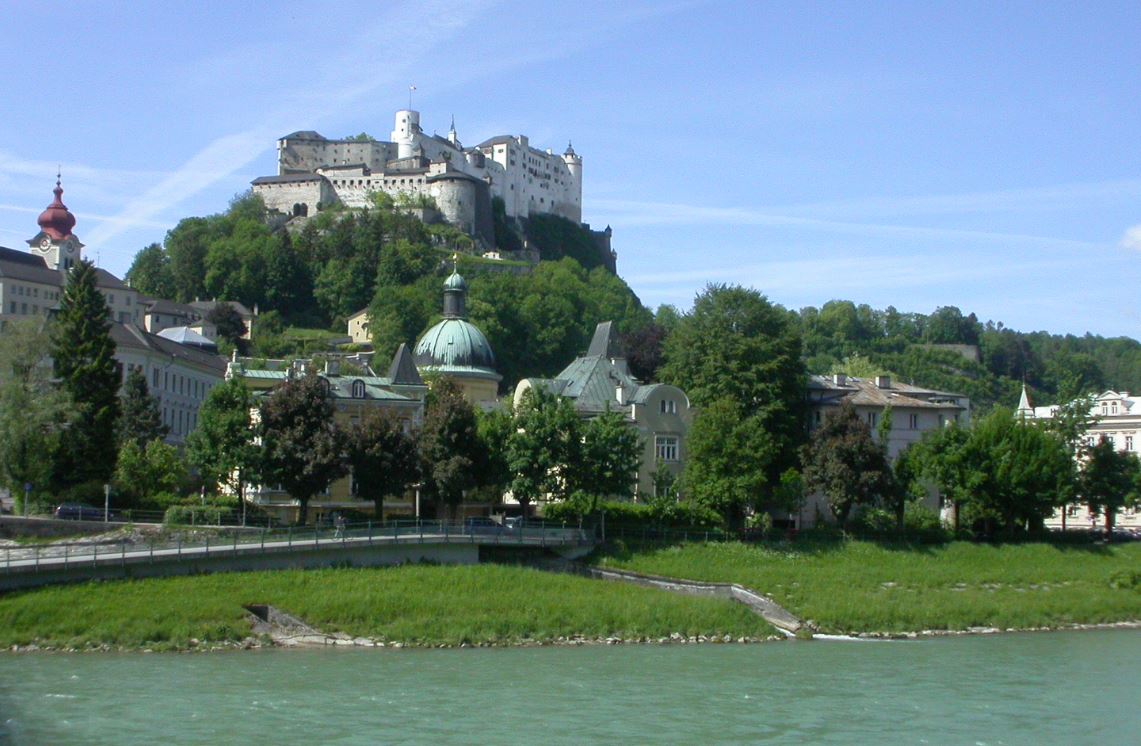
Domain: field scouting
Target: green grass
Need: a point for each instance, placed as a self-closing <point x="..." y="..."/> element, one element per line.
<point x="420" y="605"/>
<point x="857" y="586"/>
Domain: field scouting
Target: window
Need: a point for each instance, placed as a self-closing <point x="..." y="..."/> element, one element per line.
<point x="666" y="447"/>
<point x="669" y="406"/>
<point x="1129" y="442"/>
<point x="358" y="389"/>
<point x="872" y="418"/>
<point x="913" y="421"/>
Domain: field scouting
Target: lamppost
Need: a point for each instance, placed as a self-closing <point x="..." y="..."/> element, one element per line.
<point x="106" y="503"/>
<point x="27" y="497"/>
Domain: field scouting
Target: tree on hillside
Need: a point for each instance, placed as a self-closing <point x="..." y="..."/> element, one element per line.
<point x="843" y="461"/>
<point x="545" y="450"/>
<point x="222" y="444"/>
<point x="448" y="445"/>
<point x="228" y="321"/>
<point x="141" y="420"/>
<point x="84" y="356"/>
<point x="728" y="455"/>
<point x="186" y="245"/>
<point x="302" y="449"/>
<point x="151" y="273"/>
<point x="736" y="345"/>
<point x="383" y="457"/>
<point x="1109" y="481"/>
<point x="643" y="348"/>
<point x="32" y="410"/>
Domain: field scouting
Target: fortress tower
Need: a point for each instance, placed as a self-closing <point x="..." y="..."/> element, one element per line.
<point x="406" y="132"/>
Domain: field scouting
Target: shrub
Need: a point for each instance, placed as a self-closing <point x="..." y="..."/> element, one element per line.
<point x="87" y="493"/>
<point x="193" y="515"/>
<point x="636" y="515"/>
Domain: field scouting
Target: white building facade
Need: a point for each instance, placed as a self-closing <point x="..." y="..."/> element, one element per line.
<point x="1115" y="417"/>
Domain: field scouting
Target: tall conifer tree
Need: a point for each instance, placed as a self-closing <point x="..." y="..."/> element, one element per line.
<point x="85" y="364"/>
<point x="141" y="421"/>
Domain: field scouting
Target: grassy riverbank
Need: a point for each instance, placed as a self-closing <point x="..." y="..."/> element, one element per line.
<point x="857" y="586"/>
<point x="415" y="605"/>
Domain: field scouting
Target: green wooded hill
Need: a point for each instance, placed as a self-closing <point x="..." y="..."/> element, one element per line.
<point x="539" y="317"/>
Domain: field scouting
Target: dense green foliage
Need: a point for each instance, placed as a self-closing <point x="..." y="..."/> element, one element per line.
<point x="739" y="357"/>
<point x="1003" y="473"/>
<point x="303" y="449"/>
<point x="385" y="259"/>
<point x="1109" y="481"/>
<point x="222" y="446"/>
<point x="32" y="409"/>
<point x="382" y="457"/>
<point x="84" y="357"/>
<point x="846" y="464"/>
<point x="1055" y="367"/>
<point x="141" y="419"/>
<point x="633" y="516"/>
<point x="143" y="472"/>
<point x="448" y="445"/>
<point x="413" y="605"/>
<point x="856" y="586"/>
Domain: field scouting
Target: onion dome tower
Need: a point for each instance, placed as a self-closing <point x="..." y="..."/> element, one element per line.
<point x="456" y="348"/>
<point x="59" y="247"/>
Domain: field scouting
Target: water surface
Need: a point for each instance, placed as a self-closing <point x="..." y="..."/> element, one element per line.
<point x="1042" y="688"/>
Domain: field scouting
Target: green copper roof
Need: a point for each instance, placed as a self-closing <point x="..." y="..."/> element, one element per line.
<point x="455" y="282"/>
<point x="454" y="343"/>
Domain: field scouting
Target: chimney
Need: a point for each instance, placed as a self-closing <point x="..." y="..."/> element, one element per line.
<point x="620" y="395"/>
<point x="332" y="367"/>
<point x="883" y="382"/>
<point x="839" y="379"/>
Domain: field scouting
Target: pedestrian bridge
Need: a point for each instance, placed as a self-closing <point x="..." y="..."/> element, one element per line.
<point x="294" y="548"/>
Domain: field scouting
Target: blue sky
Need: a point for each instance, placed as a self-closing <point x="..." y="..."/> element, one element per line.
<point x="983" y="155"/>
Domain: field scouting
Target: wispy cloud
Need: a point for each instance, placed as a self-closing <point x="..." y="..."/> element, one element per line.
<point x="634" y="213"/>
<point x="230" y="153"/>
<point x="1132" y="238"/>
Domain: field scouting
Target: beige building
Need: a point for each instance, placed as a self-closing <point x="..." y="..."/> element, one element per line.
<point x="914" y="411"/>
<point x="354" y="393"/>
<point x="600" y="381"/>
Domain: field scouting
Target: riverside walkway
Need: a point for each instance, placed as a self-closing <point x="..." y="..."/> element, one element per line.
<point x="357" y="546"/>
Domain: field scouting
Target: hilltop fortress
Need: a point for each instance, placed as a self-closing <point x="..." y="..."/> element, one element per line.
<point x="314" y="172"/>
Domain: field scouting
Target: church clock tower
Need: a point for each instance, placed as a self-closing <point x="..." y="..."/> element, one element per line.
<point x="59" y="247"/>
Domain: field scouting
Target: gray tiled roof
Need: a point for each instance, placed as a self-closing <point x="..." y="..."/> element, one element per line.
<point x="20" y="265"/>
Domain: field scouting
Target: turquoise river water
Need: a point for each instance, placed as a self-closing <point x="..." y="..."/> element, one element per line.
<point x="1040" y="688"/>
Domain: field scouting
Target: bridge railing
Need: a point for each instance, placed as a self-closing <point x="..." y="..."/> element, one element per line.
<point x="189" y="543"/>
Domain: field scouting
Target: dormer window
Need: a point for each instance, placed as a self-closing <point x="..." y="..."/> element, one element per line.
<point x="668" y="406"/>
<point x="358" y="389"/>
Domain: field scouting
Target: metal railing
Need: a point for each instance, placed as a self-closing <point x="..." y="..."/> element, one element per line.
<point x="186" y="544"/>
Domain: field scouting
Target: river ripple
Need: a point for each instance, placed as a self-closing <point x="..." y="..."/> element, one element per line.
<point x="1043" y="688"/>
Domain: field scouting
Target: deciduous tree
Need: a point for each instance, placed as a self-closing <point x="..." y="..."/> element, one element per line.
<point x="448" y="444"/>
<point x="302" y="448"/>
<point x="222" y="445"/>
<point x="32" y="409"/>
<point x="382" y="457"/>
<point x="1108" y="481"/>
<point x="844" y="462"/>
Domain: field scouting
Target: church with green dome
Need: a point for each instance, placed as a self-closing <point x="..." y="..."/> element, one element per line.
<point x="456" y="348"/>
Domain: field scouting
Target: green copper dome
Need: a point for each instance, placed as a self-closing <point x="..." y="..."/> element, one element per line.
<point x="455" y="282"/>
<point x="454" y="345"/>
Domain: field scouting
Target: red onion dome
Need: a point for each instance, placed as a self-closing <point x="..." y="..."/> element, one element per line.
<point x="57" y="221"/>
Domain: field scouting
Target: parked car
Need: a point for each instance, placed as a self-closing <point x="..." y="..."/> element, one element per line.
<point x="77" y="512"/>
<point x="513" y="523"/>
<point x="481" y="525"/>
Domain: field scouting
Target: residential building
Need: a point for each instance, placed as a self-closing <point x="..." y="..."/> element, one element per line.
<point x="600" y="381"/>
<point x="179" y="376"/>
<point x="355" y="392"/>
<point x="914" y="411"/>
<point x="1115" y="416"/>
